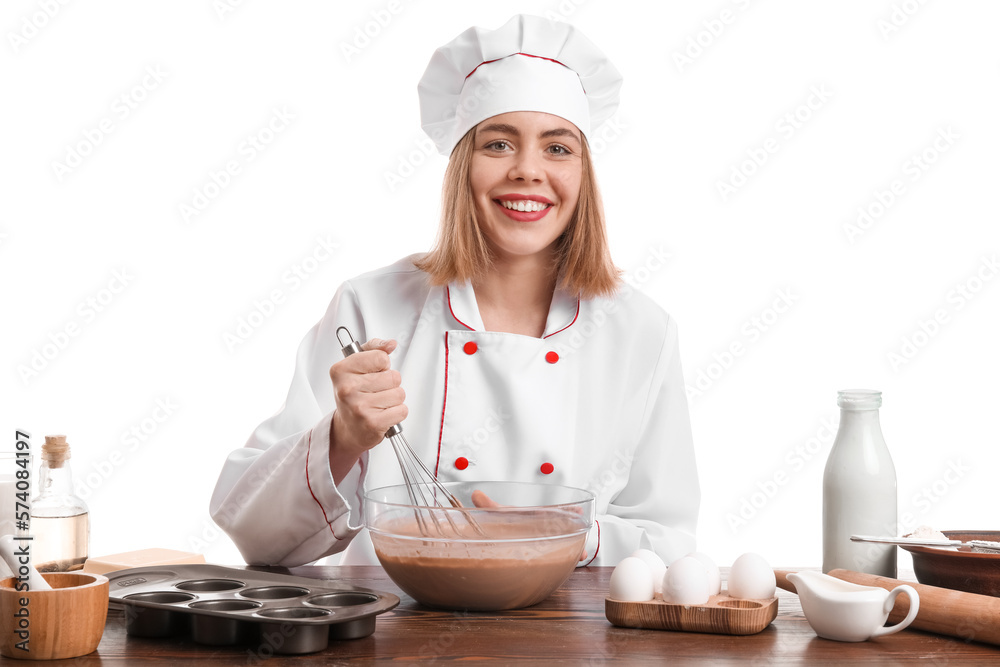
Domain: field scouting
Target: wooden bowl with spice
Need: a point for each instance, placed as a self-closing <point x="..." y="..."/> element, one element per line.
<point x="65" y="622"/>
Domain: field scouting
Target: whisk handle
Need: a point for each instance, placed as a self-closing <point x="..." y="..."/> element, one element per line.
<point x="351" y="348"/>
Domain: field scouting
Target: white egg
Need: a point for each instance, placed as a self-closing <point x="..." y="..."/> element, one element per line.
<point x="656" y="566"/>
<point x="686" y="582"/>
<point x="714" y="576"/>
<point x="751" y="578"/>
<point x="632" y="581"/>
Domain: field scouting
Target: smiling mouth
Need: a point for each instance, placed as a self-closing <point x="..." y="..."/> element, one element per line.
<point x="523" y="205"/>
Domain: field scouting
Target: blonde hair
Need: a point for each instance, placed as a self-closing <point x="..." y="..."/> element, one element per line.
<point x="583" y="259"/>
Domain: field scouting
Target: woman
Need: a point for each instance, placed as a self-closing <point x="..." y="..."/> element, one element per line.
<point x="516" y="352"/>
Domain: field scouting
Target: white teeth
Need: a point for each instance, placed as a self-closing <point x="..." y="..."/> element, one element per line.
<point x="524" y="205"/>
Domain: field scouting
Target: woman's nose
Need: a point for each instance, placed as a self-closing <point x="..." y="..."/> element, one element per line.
<point x="527" y="166"/>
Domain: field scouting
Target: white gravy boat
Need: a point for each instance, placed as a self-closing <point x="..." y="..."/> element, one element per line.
<point x="848" y="612"/>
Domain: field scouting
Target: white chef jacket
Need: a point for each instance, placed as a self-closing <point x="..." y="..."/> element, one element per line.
<point x="598" y="402"/>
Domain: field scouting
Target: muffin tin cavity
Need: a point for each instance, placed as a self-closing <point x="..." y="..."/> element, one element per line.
<point x="150" y="615"/>
<point x="342" y="599"/>
<point x="210" y="585"/>
<point x="302" y="638"/>
<point x="274" y="592"/>
<point x="225" y="605"/>
<point x="268" y="613"/>
<point x="161" y="597"/>
<point x="222" y="630"/>
<point x="357" y="629"/>
<point x="293" y="612"/>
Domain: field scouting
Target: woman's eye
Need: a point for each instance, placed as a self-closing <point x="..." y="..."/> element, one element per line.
<point x="556" y="149"/>
<point x="497" y="145"/>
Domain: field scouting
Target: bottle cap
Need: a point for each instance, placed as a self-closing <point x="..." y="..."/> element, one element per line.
<point x="55" y="450"/>
<point x="859" y="399"/>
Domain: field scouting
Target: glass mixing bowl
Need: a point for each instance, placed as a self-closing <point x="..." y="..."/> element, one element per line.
<point x="480" y="559"/>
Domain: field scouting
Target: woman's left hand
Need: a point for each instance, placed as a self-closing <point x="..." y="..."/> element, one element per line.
<point x="481" y="500"/>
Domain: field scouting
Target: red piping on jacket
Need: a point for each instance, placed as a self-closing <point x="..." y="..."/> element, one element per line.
<point x="444" y="403"/>
<point x="309" y="486"/>
<point x="570" y="324"/>
<point x="452" y="310"/>
<point x="455" y="317"/>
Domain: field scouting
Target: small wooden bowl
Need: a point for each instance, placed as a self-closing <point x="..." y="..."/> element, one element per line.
<point x="721" y="615"/>
<point x="961" y="569"/>
<point x="66" y="622"/>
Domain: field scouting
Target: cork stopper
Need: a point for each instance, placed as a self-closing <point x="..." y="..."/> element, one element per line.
<point x="55" y="450"/>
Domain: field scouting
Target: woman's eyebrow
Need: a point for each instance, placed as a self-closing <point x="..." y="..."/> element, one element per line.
<point x="559" y="132"/>
<point x="506" y="128"/>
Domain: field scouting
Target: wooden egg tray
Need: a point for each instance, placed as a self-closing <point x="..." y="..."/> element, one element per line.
<point x="721" y="615"/>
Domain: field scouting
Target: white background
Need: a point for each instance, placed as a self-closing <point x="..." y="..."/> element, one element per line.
<point x="893" y="76"/>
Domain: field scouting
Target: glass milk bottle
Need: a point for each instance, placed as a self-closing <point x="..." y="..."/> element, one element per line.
<point x="60" y="522"/>
<point x="859" y="489"/>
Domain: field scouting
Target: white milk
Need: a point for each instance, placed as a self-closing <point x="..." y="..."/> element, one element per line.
<point x="859" y="489"/>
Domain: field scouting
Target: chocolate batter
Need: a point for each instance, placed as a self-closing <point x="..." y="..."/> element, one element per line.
<point x="519" y="566"/>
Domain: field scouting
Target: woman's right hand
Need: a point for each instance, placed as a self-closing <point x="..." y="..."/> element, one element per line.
<point x="369" y="400"/>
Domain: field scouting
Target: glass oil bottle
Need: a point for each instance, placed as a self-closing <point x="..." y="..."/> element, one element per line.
<point x="60" y="522"/>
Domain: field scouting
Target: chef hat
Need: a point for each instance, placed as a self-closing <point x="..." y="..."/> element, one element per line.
<point x="528" y="64"/>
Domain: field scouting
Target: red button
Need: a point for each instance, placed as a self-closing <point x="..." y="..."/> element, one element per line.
<point x="470" y="347"/>
<point x="461" y="462"/>
<point x="547" y="468"/>
<point x="552" y="358"/>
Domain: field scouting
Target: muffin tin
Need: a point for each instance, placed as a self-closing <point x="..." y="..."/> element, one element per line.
<point x="222" y="606"/>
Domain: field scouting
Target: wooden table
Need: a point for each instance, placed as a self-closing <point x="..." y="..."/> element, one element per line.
<point x="568" y="628"/>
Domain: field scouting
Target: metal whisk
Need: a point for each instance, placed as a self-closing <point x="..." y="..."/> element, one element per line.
<point x="422" y="486"/>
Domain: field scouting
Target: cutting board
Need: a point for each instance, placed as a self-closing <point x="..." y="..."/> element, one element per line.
<point x="721" y="615"/>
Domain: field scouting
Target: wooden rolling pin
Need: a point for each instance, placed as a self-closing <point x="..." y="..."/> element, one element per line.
<point x="967" y="616"/>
